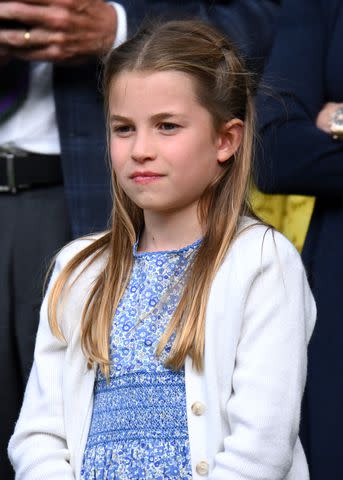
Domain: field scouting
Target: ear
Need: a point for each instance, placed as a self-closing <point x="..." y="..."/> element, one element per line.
<point x="229" y="139"/>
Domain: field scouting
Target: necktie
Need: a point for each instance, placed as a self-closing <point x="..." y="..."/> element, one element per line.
<point x="14" y="80"/>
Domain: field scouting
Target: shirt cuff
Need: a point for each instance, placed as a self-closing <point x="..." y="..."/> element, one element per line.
<point x="121" y="35"/>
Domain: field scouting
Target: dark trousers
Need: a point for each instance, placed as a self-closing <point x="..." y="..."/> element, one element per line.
<point x="33" y="227"/>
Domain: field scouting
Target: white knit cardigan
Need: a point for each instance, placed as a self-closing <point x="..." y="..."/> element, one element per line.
<point x="243" y="410"/>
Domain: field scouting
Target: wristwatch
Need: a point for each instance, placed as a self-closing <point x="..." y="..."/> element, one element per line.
<point x="336" y="125"/>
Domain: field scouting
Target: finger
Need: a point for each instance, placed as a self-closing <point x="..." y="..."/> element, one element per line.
<point x="77" y="5"/>
<point x="13" y="38"/>
<point x="48" y="53"/>
<point x="25" y="39"/>
<point x="52" y="53"/>
<point x="52" y="17"/>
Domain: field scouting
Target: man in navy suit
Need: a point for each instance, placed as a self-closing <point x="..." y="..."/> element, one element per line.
<point x="59" y="130"/>
<point x="302" y="154"/>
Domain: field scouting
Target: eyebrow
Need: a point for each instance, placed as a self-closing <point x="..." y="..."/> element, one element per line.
<point x="157" y="117"/>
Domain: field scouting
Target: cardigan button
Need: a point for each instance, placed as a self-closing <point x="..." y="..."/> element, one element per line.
<point x="202" y="468"/>
<point x="198" y="408"/>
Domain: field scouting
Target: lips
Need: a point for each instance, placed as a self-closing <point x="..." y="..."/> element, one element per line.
<point x="145" y="177"/>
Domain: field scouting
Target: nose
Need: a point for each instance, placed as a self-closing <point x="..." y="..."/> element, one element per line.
<point x="143" y="148"/>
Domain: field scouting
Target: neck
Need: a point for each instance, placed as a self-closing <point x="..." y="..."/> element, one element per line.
<point x="170" y="231"/>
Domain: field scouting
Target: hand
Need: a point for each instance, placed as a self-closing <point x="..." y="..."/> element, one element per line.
<point x="60" y="30"/>
<point x="323" y="120"/>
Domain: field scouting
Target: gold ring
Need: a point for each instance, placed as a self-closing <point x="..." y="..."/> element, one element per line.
<point x="27" y="35"/>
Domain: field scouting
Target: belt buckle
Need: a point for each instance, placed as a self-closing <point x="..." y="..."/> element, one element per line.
<point x="9" y="154"/>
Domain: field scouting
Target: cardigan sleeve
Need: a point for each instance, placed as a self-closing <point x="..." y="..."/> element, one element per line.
<point x="294" y="156"/>
<point x="38" y="449"/>
<point x="268" y="381"/>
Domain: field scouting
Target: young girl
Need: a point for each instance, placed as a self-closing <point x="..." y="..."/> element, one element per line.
<point x="174" y="345"/>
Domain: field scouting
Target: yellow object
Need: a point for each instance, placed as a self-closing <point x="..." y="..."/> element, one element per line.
<point x="290" y="214"/>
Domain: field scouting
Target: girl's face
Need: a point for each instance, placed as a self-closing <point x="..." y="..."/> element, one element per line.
<point x="163" y="146"/>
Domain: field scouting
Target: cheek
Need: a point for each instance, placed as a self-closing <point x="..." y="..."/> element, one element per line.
<point x="196" y="158"/>
<point x="198" y="168"/>
<point x="117" y="153"/>
<point x="181" y="152"/>
<point x="199" y="143"/>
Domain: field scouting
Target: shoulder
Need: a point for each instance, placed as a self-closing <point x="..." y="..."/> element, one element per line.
<point x="79" y="262"/>
<point x="263" y="265"/>
<point x="75" y="247"/>
<point x="258" y="246"/>
<point x="257" y="237"/>
<point x="76" y="269"/>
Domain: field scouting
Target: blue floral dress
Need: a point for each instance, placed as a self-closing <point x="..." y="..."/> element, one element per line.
<point x="139" y="426"/>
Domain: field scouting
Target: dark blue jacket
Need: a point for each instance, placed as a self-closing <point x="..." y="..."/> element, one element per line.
<point x="79" y="103"/>
<point x="305" y="71"/>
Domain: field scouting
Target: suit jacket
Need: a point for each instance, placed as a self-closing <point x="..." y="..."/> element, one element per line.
<point x="259" y="319"/>
<point x="79" y="102"/>
<point x="305" y="71"/>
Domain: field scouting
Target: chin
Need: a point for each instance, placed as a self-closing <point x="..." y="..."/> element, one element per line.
<point x="153" y="204"/>
<point x="152" y="207"/>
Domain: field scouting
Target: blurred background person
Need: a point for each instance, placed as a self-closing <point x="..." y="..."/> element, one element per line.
<point x="51" y="153"/>
<point x="301" y="126"/>
<point x="54" y="185"/>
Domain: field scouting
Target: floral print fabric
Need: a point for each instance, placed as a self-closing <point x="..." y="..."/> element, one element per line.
<point x="139" y="425"/>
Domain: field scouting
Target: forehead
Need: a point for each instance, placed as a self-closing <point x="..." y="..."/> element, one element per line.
<point x="152" y="91"/>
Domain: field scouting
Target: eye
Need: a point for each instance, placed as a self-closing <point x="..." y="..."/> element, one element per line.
<point x="122" y="130"/>
<point x="168" y="127"/>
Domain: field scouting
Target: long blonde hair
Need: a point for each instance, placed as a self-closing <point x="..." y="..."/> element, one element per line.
<point x="224" y="88"/>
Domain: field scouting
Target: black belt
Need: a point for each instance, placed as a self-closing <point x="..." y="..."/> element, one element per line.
<point x="21" y="170"/>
